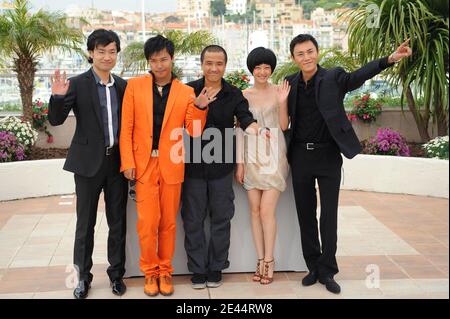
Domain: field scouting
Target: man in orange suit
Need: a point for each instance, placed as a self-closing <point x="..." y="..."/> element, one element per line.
<point x="155" y="109"/>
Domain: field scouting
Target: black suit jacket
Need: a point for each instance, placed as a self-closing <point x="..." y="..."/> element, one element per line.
<point x="331" y="86"/>
<point x="87" y="150"/>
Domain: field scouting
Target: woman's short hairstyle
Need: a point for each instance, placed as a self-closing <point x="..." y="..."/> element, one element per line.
<point x="260" y="56"/>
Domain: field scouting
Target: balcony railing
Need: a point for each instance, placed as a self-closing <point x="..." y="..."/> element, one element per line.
<point x="10" y="94"/>
<point x="9" y="85"/>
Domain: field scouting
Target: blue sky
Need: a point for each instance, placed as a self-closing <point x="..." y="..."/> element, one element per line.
<point x="132" y="5"/>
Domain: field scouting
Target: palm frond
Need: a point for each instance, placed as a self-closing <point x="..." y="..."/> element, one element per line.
<point x="185" y="44"/>
<point x="283" y="71"/>
<point x="426" y="23"/>
<point x="329" y="58"/>
<point x="26" y="36"/>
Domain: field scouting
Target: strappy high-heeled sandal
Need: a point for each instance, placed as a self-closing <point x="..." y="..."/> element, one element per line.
<point x="257" y="275"/>
<point x="265" y="279"/>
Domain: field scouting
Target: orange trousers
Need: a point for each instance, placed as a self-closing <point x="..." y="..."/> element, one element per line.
<point x="157" y="207"/>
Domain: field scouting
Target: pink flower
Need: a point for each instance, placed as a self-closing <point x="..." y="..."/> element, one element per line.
<point x="50" y="139"/>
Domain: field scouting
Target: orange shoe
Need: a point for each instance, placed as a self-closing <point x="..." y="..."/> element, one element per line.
<point x="151" y="286"/>
<point x="165" y="285"/>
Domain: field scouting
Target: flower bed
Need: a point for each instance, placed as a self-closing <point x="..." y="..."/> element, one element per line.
<point x="387" y="142"/>
<point x="437" y="148"/>
<point x="10" y="149"/>
<point x="16" y="139"/>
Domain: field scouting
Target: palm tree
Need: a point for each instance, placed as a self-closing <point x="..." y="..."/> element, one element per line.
<point x="329" y="58"/>
<point x="283" y="71"/>
<point x="25" y="37"/>
<point x="3" y="64"/>
<point x="425" y="74"/>
<point x="133" y="58"/>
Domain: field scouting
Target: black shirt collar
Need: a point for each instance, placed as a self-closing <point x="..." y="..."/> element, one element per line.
<point x="168" y="84"/>
<point x="311" y="81"/>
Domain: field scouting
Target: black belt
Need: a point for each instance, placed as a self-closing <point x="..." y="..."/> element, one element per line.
<point x="313" y="146"/>
<point x="111" y="150"/>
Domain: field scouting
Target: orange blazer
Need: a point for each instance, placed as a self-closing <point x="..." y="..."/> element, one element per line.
<point x="136" y="134"/>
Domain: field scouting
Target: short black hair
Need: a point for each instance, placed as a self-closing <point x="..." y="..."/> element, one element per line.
<point x="303" y="38"/>
<point x="213" y="48"/>
<point x="260" y="56"/>
<point x="157" y="44"/>
<point x="102" y="37"/>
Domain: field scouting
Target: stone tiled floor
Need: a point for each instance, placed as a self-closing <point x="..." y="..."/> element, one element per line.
<point x="399" y="239"/>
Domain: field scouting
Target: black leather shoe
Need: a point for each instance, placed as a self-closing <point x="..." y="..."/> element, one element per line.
<point x="81" y="292"/>
<point x="118" y="287"/>
<point x="331" y="285"/>
<point x="310" y="279"/>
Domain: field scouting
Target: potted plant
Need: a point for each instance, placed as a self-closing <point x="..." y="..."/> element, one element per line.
<point x="40" y="117"/>
<point x="365" y="109"/>
<point x="239" y="79"/>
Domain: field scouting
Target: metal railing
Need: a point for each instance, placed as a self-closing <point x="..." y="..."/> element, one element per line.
<point x="9" y="85"/>
<point x="10" y="94"/>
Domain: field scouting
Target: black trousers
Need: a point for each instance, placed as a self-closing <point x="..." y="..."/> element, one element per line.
<point x="323" y="165"/>
<point x="200" y="196"/>
<point x="88" y="189"/>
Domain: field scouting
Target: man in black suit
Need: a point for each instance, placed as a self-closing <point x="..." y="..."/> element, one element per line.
<point x="96" y="100"/>
<point x="319" y="133"/>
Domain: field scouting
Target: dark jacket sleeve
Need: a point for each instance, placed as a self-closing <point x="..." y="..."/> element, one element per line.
<point x="241" y="111"/>
<point x="349" y="81"/>
<point x="59" y="106"/>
